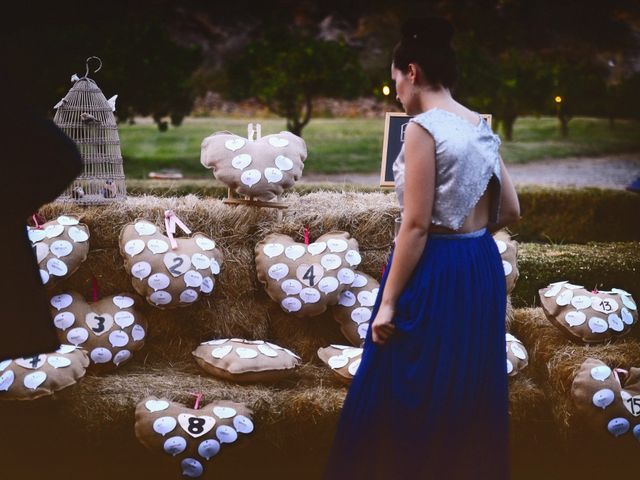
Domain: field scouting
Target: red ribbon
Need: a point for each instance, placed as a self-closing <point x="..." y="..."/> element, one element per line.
<point x="35" y="221"/>
<point x="94" y="285"/>
<point x="199" y="397"/>
<point x="170" y="222"/>
<point x="306" y="235"/>
<point x="620" y="370"/>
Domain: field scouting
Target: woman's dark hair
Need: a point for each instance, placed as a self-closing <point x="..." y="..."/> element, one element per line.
<point x="426" y="42"/>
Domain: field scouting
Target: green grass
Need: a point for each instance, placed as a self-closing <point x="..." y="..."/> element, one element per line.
<point x="354" y="145"/>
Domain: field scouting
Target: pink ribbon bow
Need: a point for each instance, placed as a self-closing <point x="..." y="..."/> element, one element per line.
<point x="170" y="222"/>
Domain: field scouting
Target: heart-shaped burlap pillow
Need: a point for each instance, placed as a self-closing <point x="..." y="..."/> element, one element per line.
<point x="243" y="361"/>
<point x="109" y="329"/>
<point x="508" y="249"/>
<point x="60" y="247"/>
<point x="588" y="317"/>
<point x="193" y="436"/>
<point x="354" y="308"/>
<point x="517" y="357"/>
<point x="260" y="169"/>
<point x="169" y="277"/>
<point x="604" y="402"/>
<point x="43" y="374"/>
<point x="343" y="360"/>
<point x="305" y="279"/>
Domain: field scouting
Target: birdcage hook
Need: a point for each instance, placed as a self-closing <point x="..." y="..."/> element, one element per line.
<point x="86" y="73"/>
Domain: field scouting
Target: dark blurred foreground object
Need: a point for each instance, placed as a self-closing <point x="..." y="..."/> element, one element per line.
<point x="39" y="161"/>
<point x="634" y="186"/>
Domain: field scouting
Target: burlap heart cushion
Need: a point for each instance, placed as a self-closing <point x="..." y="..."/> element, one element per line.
<point x="43" y="374"/>
<point x="517" y="356"/>
<point x="604" y="402"/>
<point x="354" y="308"/>
<point x="169" y="277"/>
<point x="305" y="279"/>
<point x="260" y="169"/>
<point x="508" y="249"/>
<point x="60" y="246"/>
<point x="111" y="330"/>
<point x="192" y="436"/>
<point x="588" y="317"/>
<point x="342" y="360"/>
<point x="244" y="361"/>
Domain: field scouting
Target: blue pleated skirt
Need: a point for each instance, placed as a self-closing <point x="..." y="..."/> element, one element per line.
<point x="432" y="403"/>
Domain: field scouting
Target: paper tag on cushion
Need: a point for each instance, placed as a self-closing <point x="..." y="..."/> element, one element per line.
<point x="196" y="426"/>
<point x="631" y="403"/>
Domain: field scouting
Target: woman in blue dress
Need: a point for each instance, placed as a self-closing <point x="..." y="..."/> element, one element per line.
<point x="430" y="400"/>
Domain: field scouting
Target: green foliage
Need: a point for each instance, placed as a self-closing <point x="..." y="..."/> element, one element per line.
<point x="354" y="145"/>
<point x="286" y="72"/>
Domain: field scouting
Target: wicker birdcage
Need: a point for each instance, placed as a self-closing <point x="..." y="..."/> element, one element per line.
<point x="86" y="116"/>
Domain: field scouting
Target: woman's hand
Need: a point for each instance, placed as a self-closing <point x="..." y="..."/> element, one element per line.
<point x="382" y="328"/>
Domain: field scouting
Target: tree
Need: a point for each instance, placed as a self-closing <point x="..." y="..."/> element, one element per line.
<point x="142" y="63"/>
<point x="285" y="73"/>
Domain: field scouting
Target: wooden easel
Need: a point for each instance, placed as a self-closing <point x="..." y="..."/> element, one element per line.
<point x="232" y="199"/>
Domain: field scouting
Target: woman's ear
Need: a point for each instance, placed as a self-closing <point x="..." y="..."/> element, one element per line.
<point x="412" y="73"/>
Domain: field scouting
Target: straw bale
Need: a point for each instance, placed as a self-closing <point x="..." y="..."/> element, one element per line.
<point x="554" y="360"/>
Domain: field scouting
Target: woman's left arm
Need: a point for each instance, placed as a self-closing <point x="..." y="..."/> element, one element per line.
<point x="420" y="174"/>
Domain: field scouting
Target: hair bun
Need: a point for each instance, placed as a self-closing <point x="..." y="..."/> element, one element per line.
<point x="433" y="30"/>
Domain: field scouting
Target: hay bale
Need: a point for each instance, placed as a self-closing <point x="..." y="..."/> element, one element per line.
<point x="554" y="361"/>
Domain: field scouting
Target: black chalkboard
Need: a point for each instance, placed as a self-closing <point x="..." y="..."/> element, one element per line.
<point x="395" y="124"/>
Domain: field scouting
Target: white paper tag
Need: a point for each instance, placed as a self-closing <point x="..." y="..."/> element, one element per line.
<point x="338" y="361"/>
<point x="615" y="322"/>
<point x="34" y="380"/>
<point x="564" y="298"/>
<point x="575" y="318"/>
<point x="346" y="276"/>
<point x="502" y="247"/>
<point x="160" y="298"/>
<point x="188" y="296"/>
<point x="221" y="352"/>
<point x="240" y="162"/>
<point x="618" y="426"/>
<point x="99" y="323"/>
<point x="158" y="281"/>
<point x="310" y="295"/>
<point x="631" y="402"/>
<point x="121" y="357"/>
<point x="156" y="405"/>
<point x="53" y="231"/>
<point x="294" y="252"/>
<point x="235" y="144"/>
<point x="604" y="305"/>
<point x="601" y="373"/>
<point x="193" y="279"/>
<point x="278" y="142"/>
<point x="42" y="251"/>
<point x="145" y="228"/>
<point x="124" y="319"/>
<point x="157" y="246"/>
<point x="61" y="248"/>
<point x="64" y="320"/>
<point x="119" y="338"/>
<point x="283" y="163"/>
<point x="347" y="299"/>
<point x="134" y="247"/>
<point x="278" y="271"/>
<point x="141" y="270"/>
<point x="175" y="446"/>
<point x="598" y="325"/>
<point x="580" y="302"/>
<point x="32" y="363"/>
<point x="137" y="333"/>
<point x="164" y="425"/>
<point x="353" y="258"/>
<point x="291" y="304"/>
<point x="337" y="245"/>
<point x="629" y="303"/>
<point x="77" y="336"/>
<point x="508" y="269"/>
<point x="226" y="434"/>
<point x="57" y="267"/>
<point x="316" y="248"/>
<point x="366" y="299"/>
<point x="209" y="449"/>
<point x="68" y="221"/>
<point x="6" y="380"/>
<point x="603" y="398"/>
<point x="273" y="249"/>
<point x="243" y="424"/>
<point x="553" y="291"/>
<point x="122" y="301"/>
<point x="78" y="235"/>
<point x="353" y="368"/>
<point x="328" y="285"/>
<point x="36" y="235"/>
<point x="330" y="261"/>
<point x="101" y="355"/>
<point x="58" y="362"/>
<point x="268" y="351"/>
<point x="359" y="281"/>
<point x="273" y="175"/>
<point x="291" y="287"/>
<point x="246" y="352"/>
<point x="215" y="266"/>
<point x="207" y="285"/>
<point x="627" y="316"/>
<point x="205" y="243"/>
<point x="200" y="261"/>
<point x="361" y="315"/>
<point x="61" y="301"/>
<point x="518" y="351"/>
<point x="224" y="412"/>
<point x="250" y="177"/>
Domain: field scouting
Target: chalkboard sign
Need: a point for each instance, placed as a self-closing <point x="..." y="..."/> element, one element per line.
<point x="395" y="124"/>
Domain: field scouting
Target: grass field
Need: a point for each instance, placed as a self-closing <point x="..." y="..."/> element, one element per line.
<point x="355" y="145"/>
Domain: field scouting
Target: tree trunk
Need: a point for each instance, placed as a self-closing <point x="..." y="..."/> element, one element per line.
<point x="508" y="123"/>
<point x="564" y="125"/>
